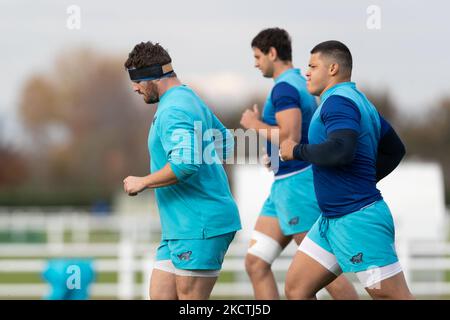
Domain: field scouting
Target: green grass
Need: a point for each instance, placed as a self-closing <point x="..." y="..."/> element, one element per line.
<point x="20" y="237"/>
<point x="22" y="277"/>
<point x="101" y="277"/>
<point x="41" y="237"/>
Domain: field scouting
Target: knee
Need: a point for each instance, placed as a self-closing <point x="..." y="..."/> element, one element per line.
<point x="295" y="291"/>
<point x="255" y="265"/>
<point x="162" y="295"/>
<point x="183" y="289"/>
<point x="340" y="284"/>
<point x="381" y="295"/>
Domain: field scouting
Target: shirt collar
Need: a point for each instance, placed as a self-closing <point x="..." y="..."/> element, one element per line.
<point x="330" y="91"/>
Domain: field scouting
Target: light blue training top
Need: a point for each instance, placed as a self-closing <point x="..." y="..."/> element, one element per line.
<point x="187" y="135"/>
<point x="288" y="92"/>
<point x="345" y="189"/>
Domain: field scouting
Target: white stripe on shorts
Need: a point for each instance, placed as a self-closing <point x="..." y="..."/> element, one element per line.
<point x="167" y="266"/>
<point x="325" y="258"/>
<point x="292" y="173"/>
<point x="371" y="277"/>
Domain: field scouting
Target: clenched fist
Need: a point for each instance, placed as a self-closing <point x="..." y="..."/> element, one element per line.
<point x="287" y="149"/>
<point x="133" y="185"/>
<point x="249" y="117"/>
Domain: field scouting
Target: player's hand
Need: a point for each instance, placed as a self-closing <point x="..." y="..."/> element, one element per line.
<point x="133" y="185"/>
<point x="287" y="149"/>
<point x="266" y="161"/>
<point x="249" y="117"/>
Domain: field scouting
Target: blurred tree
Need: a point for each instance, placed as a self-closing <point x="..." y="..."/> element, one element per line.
<point x="429" y="139"/>
<point x="13" y="169"/>
<point x="384" y="104"/>
<point x="87" y="129"/>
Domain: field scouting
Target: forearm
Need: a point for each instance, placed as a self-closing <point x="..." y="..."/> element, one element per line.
<point x="386" y="163"/>
<point x="267" y="131"/>
<point x="339" y="149"/>
<point x="391" y="151"/>
<point x="274" y="134"/>
<point x="161" y="178"/>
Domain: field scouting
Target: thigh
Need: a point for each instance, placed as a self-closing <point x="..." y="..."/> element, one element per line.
<point x="266" y="243"/>
<point x="298" y="237"/>
<point x="200" y="254"/>
<point x="306" y="276"/>
<point x="295" y="203"/>
<point x="162" y="285"/>
<point x="162" y="282"/>
<point x="364" y="240"/>
<point x="194" y="287"/>
<point x="394" y="287"/>
<point x="271" y="228"/>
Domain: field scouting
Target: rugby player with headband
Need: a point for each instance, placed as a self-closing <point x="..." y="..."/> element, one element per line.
<point x="199" y="216"/>
<point x="152" y="72"/>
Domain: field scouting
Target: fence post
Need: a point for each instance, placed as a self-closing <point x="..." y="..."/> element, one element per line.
<point x="55" y="233"/>
<point x="126" y="265"/>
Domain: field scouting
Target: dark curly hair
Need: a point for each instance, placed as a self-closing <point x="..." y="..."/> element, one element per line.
<point x="277" y="38"/>
<point x="338" y="51"/>
<point x="146" y="54"/>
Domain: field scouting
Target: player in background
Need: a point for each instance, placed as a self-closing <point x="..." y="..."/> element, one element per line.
<point x="351" y="148"/>
<point x="291" y="208"/>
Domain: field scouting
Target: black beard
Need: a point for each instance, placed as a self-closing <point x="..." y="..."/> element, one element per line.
<point x="152" y="99"/>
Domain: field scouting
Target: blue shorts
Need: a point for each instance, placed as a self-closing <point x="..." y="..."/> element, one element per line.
<point x="293" y="202"/>
<point x="195" y="254"/>
<point x="360" y="241"/>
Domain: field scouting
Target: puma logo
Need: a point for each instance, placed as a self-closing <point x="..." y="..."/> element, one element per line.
<point x="294" y="221"/>
<point x="357" y="258"/>
<point x="185" y="256"/>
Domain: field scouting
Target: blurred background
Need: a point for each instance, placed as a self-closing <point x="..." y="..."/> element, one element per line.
<point x="71" y="129"/>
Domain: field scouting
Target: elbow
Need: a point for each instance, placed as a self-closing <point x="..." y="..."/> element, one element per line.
<point x="346" y="158"/>
<point x="402" y="151"/>
<point x="184" y="171"/>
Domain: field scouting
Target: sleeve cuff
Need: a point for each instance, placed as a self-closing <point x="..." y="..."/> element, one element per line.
<point x="297" y="152"/>
<point x="177" y="171"/>
<point x="286" y="107"/>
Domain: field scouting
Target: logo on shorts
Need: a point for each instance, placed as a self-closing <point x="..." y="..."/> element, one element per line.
<point x="294" y="221"/>
<point x="357" y="258"/>
<point x="185" y="256"/>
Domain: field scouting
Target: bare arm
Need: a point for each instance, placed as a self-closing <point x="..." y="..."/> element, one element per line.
<point x="289" y="124"/>
<point x="162" y="178"/>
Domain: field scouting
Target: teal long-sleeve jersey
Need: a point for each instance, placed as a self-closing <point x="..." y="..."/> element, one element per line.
<point x="187" y="135"/>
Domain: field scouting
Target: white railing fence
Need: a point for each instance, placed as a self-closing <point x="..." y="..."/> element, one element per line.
<point x="130" y="258"/>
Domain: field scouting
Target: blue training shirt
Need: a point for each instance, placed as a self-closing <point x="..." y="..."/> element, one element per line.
<point x="345" y="189"/>
<point x="289" y="92"/>
<point x="185" y="134"/>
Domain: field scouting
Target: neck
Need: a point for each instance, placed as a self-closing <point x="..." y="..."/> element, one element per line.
<point x="167" y="83"/>
<point x="335" y="81"/>
<point x="280" y="67"/>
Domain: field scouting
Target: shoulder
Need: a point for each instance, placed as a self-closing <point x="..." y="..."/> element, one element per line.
<point x="174" y="114"/>
<point x="340" y="104"/>
<point x="284" y="89"/>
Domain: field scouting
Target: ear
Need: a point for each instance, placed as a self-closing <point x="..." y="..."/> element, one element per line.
<point x="273" y="54"/>
<point x="333" y="70"/>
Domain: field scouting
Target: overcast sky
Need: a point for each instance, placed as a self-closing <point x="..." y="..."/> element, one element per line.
<point x="209" y="41"/>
